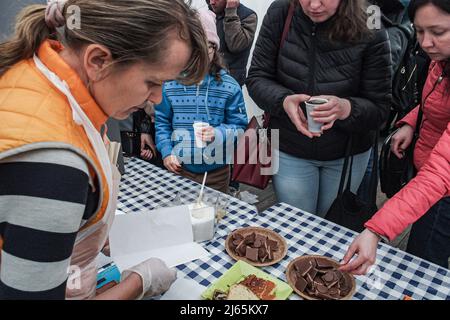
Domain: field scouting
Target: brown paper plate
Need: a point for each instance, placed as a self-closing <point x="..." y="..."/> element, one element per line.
<point x="291" y="278"/>
<point x="277" y="255"/>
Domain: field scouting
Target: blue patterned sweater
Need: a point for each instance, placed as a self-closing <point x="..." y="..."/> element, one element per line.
<point x="221" y="104"/>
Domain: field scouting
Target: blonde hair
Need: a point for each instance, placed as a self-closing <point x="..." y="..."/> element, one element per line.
<point x="133" y="30"/>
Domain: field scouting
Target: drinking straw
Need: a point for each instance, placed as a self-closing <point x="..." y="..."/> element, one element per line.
<point x="200" y="196"/>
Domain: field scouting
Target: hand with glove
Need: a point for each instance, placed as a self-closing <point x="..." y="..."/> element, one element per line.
<point x="156" y="277"/>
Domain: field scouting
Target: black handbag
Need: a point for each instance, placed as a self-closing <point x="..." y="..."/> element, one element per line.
<point x="348" y="209"/>
<point x="131" y="143"/>
<point x="395" y="173"/>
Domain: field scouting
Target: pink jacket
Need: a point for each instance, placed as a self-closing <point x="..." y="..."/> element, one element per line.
<point x="431" y="158"/>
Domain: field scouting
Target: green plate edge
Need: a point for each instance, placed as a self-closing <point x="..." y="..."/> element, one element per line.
<point x="238" y="272"/>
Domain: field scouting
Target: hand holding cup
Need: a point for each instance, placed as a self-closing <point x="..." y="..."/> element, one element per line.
<point x="203" y="133"/>
<point x="291" y="105"/>
<point x="327" y="113"/>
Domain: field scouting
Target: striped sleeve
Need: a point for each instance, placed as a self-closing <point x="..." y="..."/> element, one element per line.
<point x="43" y="199"/>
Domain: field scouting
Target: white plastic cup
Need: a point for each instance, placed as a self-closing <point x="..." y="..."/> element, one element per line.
<point x="203" y="222"/>
<point x="198" y="127"/>
<point x="313" y="126"/>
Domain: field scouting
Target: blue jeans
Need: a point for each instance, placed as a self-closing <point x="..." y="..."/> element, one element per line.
<point x="364" y="188"/>
<point x="312" y="185"/>
<point x="430" y="235"/>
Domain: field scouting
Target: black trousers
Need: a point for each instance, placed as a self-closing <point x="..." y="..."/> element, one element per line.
<point x="430" y="235"/>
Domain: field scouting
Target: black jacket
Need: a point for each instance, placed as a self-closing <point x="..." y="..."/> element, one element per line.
<point x="400" y="30"/>
<point x="310" y="63"/>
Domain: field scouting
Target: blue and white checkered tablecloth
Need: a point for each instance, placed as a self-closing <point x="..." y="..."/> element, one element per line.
<point x="147" y="187"/>
<point x="396" y="274"/>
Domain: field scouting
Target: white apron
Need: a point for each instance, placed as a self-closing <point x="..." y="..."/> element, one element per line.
<point x="91" y="240"/>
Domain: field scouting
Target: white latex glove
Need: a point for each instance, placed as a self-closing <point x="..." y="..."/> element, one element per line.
<point x="156" y="276"/>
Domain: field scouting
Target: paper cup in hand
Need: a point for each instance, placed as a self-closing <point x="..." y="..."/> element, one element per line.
<point x="198" y="127"/>
<point x="314" y="126"/>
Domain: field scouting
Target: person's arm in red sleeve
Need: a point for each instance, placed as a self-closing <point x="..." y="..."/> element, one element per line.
<point x="431" y="184"/>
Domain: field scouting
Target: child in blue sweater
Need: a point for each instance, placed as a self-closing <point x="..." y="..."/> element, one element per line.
<point x="218" y="101"/>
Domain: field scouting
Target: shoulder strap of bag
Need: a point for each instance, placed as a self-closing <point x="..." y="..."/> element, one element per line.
<point x="287" y="23"/>
<point x="374" y="177"/>
<point x="345" y="167"/>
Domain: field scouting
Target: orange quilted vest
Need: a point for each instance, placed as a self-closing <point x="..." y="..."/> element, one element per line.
<point x="35" y="115"/>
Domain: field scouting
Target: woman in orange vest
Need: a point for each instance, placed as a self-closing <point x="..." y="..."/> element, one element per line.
<point x="70" y="66"/>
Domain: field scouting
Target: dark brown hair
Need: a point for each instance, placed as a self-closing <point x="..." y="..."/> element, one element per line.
<point x="133" y="30"/>
<point x="350" y="21"/>
<point x="414" y="5"/>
